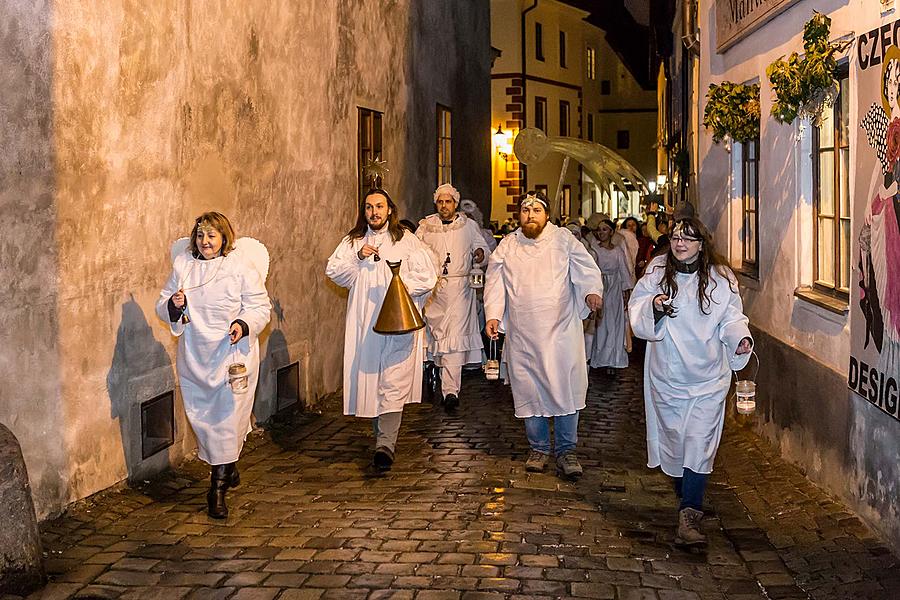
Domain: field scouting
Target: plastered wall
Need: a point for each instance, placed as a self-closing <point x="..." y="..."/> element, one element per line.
<point x="123" y="120"/>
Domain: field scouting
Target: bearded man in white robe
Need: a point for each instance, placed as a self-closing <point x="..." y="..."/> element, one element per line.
<point x="541" y="283"/>
<point x="451" y="315"/>
<point x="382" y="373"/>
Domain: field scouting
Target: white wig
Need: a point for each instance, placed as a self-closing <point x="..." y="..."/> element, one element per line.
<point x="446" y="188"/>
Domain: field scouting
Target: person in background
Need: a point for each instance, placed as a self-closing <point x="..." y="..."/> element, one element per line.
<point x="688" y="309"/>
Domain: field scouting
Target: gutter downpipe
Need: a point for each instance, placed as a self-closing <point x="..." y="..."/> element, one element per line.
<point x="524" y="168"/>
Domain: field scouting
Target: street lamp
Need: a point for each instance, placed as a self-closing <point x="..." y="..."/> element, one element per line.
<point x="501" y="141"/>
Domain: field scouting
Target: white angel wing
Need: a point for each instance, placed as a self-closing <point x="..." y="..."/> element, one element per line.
<point x="256" y="253"/>
<point x="180" y="247"/>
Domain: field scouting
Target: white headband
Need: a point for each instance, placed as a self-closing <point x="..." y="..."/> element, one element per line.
<point x="530" y="201"/>
<point x="446" y="188"/>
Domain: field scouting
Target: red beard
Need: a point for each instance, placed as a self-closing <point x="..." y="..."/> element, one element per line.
<point x="533" y="230"/>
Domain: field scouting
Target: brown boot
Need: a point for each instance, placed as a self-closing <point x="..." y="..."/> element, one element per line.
<point x="688" y="532"/>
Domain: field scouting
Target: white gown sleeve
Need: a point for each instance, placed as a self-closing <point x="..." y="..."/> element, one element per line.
<point x="495" y="285"/>
<point x="640" y="307"/>
<point x="417" y="271"/>
<point x="584" y="274"/>
<point x="733" y="328"/>
<point x="255" y="305"/>
<point x="625" y="273"/>
<point x="162" y="308"/>
<point x="343" y="264"/>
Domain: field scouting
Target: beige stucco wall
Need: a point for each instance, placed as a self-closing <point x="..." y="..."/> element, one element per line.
<point x="125" y="119"/>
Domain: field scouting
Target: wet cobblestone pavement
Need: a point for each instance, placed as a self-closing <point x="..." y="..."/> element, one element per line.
<point x="459" y="518"/>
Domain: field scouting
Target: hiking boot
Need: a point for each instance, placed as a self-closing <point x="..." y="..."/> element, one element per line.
<point x="567" y="464"/>
<point x="688" y="532"/>
<point x="451" y="402"/>
<point x="536" y="462"/>
<point x="383" y="459"/>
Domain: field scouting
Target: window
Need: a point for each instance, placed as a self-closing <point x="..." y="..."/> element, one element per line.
<point x="623" y="139"/>
<point x="563" y="118"/>
<point x="590" y="127"/>
<point x="539" y="41"/>
<point x="831" y="206"/>
<point x="562" y="49"/>
<point x="750" y="206"/>
<point x="591" y="61"/>
<point x="566" y="201"/>
<point x="540" y="113"/>
<point x="605" y="87"/>
<point x="543" y="188"/>
<point x="369" y="146"/>
<point x="444" y="162"/>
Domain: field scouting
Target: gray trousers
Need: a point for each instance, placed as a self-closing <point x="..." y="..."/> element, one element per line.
<point x="387" y="428"/>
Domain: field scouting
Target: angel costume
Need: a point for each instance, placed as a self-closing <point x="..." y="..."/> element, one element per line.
<point x="688" y="364"/>
<point x="451" y="316"/>
<point x="536" y="288"/>
<point x="607" y="344"/>
<point x="382" y="373"/>
<point x="219" y="291"/>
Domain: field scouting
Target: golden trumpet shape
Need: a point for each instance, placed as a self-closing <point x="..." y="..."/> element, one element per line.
<point x="398" y="312"/>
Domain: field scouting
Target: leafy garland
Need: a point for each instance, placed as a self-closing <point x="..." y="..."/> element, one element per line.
<point x="732" y="111"/>
<point x="805" y="87"/>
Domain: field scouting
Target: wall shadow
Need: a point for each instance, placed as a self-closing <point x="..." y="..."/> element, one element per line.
<point x="140" y="370"/>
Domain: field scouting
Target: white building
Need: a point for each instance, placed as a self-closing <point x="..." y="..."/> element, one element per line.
<point x="781" y="209"/>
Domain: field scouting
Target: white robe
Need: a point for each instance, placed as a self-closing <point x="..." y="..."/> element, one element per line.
<point x="687" y="368"/>
<point x="234" y="289"/>
<point x="537" y="290"/>
<point x="451" y="315"/>
<point x="607" y="344"/>
<point x="381" y="372"/>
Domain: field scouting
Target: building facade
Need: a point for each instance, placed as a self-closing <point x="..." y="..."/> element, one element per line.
<point x="785" y="209"/>
<point x="556" y="72"/>
<point x="123" y="122"/>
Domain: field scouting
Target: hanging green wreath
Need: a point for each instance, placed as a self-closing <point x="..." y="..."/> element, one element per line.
<point x="732" y="110"/>
<point x="806" y="86"/>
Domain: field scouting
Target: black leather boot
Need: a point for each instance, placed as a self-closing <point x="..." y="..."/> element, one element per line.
<point x="218" y="485"/>
<point x="235" y="479"/>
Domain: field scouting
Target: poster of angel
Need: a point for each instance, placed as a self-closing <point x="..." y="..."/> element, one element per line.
<point x="874" y="369"/>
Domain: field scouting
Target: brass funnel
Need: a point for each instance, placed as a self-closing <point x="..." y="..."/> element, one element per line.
<point x="398" y="312"/>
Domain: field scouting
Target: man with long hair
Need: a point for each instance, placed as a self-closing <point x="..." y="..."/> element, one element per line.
<point x="382" y="373"/>
<point x="541" y="283"/>
<point x="688" y="309"/>
<point x="454" y="335"/>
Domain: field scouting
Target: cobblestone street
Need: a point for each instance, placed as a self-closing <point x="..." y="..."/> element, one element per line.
<point x="458" y="518"/>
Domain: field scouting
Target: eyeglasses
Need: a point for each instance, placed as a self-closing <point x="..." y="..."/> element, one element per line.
<point x="683" y="240"/>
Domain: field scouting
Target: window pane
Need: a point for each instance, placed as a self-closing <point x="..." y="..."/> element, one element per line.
<point x="825" y="252"/>
<point x="749" y="237"/>
<point x="844" y="176"/>
<point x="826" y="130"/>
<point x="845" y="112"/>
<point x="826" y="184"/>
<point x="845" y="254"/>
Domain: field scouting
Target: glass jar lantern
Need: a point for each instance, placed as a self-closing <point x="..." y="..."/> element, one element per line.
<point x="476" y="278"/>
<point x="238" y="378"/>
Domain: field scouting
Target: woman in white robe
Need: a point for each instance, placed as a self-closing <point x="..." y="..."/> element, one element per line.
<point x="382" y="373"/>
<point x="219" y="284"/>
<point x="608" y="348"/>
<point x="688" y="308"/>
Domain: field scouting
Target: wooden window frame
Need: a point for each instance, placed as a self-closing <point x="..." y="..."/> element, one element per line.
<point x="369" y="144"/>
<point x="538" y="41"/>
<point x="444" y="160"/>
<point x="565" y="118"/>
<point x="838" y="180"/>
<point x="540" y="108"/>
<point x="591" y="60"/>
<point x="750" y="169"/>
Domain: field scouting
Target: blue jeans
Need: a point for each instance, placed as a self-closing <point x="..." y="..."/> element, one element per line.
<point x="565" y="429"/>
<point x="690" y="487"/>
